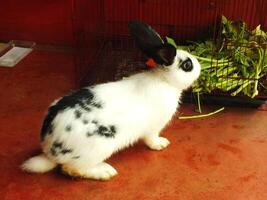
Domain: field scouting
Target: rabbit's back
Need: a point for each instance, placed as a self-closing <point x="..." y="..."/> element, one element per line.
<point x="108" y="117"/>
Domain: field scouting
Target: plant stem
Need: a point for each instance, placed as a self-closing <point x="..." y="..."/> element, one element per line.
<point x="212" y="60"/>
<point x="255" y="91"/>
<point x="245" y="84"/>
<point x="198" y="103"/>
<point x="202" y="116"/>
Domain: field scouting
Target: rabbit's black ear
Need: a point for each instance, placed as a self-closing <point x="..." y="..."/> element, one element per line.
<point x="151" y="44"/>
<point x="145" y="36"/>
<point x="165" y="55"/>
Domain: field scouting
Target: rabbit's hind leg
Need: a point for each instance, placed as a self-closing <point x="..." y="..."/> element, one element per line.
<point x="101" y="171"/>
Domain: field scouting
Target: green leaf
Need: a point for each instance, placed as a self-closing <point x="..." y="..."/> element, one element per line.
<point x="224" y="19"/>
<point x="171" y="41"/>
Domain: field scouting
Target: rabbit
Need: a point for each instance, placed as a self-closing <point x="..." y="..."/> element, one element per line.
<point x="83" y="129"/>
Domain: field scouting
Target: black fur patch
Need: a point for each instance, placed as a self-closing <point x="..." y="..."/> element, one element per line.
<point x="70" y="101"/>
<point x="106" y="131"/>
<point x="113" y="129"/>
<point x="57" y="148"/>
<point x="89" y="134"/>
<point x="85" y="121"/>
<point x="76" y="157"/>
<point x="68" y="128"/>
<point x="85" y="107"/>
<point x="57" y="144"/>
<point x="64" y="151"/>
<point x="102" y="129"/>
<point x="77" y="114"/>
<point x="94" y="122"/>
<point x="50" y="129"/>
<point x="53" y="151"/>
<point x="97" y="105"/>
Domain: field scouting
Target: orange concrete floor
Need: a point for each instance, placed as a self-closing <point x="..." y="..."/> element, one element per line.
<point x="223" y="157"/>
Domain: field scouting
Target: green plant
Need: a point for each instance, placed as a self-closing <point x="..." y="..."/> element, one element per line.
<point x="235" y="63"/>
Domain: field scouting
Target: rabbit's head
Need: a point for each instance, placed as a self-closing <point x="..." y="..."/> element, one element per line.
<point x="177" y="67"/>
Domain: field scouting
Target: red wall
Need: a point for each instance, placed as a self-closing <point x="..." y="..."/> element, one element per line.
<point x="42" y="21"/>
<point x="50" y="21"/>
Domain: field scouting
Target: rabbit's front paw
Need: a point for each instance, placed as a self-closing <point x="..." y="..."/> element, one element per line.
<point x="157" y="143"/>
<point x="102" y="172"/>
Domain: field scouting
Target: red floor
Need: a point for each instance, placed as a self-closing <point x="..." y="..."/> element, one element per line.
<point x="218" y="158"/>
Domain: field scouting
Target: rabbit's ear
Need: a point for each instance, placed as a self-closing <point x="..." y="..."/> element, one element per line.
<point x="165" y="55"/>
<point x="145" y="36"/>
<point x="151" y="44"/>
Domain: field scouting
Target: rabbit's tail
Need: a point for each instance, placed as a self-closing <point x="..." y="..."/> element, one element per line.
<point x="38" y="164"/>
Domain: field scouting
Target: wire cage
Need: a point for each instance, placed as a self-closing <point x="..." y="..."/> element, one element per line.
<point x="106" y="52"/>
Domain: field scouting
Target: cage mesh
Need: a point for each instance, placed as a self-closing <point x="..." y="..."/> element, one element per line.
<point x="106" y="52"/>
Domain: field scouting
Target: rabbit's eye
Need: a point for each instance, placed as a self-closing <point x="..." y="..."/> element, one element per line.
<point x="187" y="65"/>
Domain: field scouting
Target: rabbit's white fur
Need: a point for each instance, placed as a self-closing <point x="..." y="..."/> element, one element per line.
<point x="139" y="107"/>
<point x="38" y="164"/>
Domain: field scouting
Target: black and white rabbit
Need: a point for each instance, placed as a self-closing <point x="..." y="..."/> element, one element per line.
<point x="83" y="129"/>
